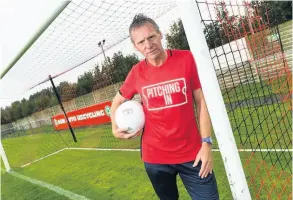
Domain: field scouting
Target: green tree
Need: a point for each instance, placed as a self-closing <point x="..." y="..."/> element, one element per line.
<point x="215" y="35"/>
<point x="121" y="65"/>
<point x="25" y="108"/>
<point x="6" y="115"/>
<point x="230" y="27"/>
<point x="177" y="39"/>
<point x="276" y="12"/>
<point x="66" y="90"/>
<point x="85" y="83"/>
<point x="32" y="104"/>
<point x="102" y="78"/>
<point x="54" y="101"/>
<point x="115" y="70"/>
<point x="32" y="107"/>
<point x="16" y="110"/>
<point x="42" y="103"/>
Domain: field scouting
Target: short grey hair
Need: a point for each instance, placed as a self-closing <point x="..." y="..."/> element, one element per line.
<point x="140" y="20"/>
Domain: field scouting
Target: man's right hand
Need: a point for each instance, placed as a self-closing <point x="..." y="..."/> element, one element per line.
<point x="121" y="133"/>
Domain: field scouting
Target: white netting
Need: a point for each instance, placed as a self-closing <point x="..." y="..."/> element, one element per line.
<point x="67" y="50"/>
<point x="72" y="39"/>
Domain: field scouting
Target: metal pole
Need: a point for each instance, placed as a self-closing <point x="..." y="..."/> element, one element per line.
<point x="103" y="52"/>
<point x="62" y="108"/>
<point x="101" y="44"/>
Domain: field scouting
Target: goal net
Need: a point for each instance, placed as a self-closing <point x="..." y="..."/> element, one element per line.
<point x="81" y="50"/>
<point x="86" y="53"/>
<point x="252" y="59"/>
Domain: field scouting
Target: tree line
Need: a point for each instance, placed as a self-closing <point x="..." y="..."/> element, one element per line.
<point x="111" y="71"/>
<point x="115" y="69"/>
<point x="270" y="12"/>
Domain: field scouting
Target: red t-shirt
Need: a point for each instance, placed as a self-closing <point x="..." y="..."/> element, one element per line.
<point x="170" y="134"/>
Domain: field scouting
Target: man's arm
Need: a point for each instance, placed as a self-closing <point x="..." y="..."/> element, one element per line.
<point x="117" y="101"/>
<point x="205" y="153"/>
<point x="118" y="132"/>
<point x="203" y="114"/>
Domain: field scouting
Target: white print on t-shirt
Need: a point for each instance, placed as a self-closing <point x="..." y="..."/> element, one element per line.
<point x="165" y="94"/>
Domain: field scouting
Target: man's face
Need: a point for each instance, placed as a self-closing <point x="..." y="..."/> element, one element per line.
<point x="147" y="41"/>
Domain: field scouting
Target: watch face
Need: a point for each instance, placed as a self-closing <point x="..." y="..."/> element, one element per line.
<point x="208" y="140"/>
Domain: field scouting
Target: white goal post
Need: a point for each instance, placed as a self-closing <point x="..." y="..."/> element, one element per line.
<point x="191" y="21"/>
<point x="4" y="158"/>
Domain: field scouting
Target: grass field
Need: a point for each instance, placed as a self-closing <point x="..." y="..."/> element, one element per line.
<point x="265" y="88"/>
<point x="119" y="175"/>
<point x="13" y="188"/>
<point x="103" y="175"/>
<point x="112" y="175"/>
<point x="263" y="127"/>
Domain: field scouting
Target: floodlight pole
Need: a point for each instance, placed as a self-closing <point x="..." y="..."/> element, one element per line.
<point x="101" y="44"/>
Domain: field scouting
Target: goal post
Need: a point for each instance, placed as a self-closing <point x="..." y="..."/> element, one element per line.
<point x="211" y="89"/>
<point x="47" y="23"/>
<point x="246" y="80"/>
<point x="4" y="158"/>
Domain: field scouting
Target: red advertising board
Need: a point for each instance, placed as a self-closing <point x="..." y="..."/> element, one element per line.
<point x="92" y="115"/>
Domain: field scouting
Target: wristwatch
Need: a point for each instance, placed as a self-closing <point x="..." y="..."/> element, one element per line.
<point x="207" y="140"/>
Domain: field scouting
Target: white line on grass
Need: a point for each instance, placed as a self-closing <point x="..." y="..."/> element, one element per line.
<point x="54" y="188"/>
<point x="241" y="150"/>
<point x="43" y="157"/>
<point x="102" y="149"/>
<point x="267" y="150"/>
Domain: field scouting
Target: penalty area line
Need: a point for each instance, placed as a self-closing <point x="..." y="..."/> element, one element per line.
<point x="43" y="157"/>
<point x="51" y="187"/>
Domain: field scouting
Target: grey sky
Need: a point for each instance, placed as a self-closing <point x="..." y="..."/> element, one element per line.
<point x="26" y="17"/>
<point x="15" y="84"/>
<point x="19" y="22"/>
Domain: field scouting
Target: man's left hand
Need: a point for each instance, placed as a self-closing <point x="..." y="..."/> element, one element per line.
<point x="205" y="155"/>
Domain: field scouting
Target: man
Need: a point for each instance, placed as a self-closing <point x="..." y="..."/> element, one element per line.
<point x="167" y="82"/>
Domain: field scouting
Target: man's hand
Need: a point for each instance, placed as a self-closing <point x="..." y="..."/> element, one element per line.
<point x="205" y="155"/>
<point x="121" y="133"/>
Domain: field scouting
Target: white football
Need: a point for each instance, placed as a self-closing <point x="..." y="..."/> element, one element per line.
<point x="130" y="115"/>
